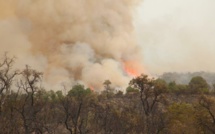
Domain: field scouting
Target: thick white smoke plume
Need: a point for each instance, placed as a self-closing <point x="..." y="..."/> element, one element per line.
<point x="86" y="41"/>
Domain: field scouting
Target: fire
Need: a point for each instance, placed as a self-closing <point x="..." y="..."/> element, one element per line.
<point x="131" y="68"/>
<point x="91" y="88"/>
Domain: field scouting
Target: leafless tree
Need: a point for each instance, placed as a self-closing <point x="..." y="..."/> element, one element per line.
<point x="29" y="107"/>
<point x="7" y="75"/>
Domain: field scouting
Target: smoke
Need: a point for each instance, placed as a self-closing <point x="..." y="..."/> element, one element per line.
<point x="177" y="35"/>
<point x="72" y="41"/>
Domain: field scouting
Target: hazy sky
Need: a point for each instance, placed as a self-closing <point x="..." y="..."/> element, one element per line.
<point x="80" y="41"/>
<point x="177" y="35"/>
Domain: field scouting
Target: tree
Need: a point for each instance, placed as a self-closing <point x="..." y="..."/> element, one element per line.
<point x="205" y="114"/>
<point x="29" y="107"/>
<point x="172" y="86"/>
<point x="7" y="75"/>
<point x="129" y="89"/>
<point x="178" y="88"/>
<point x="181" y="119"/>
<point x="75" y="107"/>
<point x="79" y="91"/>
<point x="160" y="86"/>
<point x="198" y="85"/>
<point x="7" y="96"/>
<point x="107" y="84"/>
<point x="150" y="93"/>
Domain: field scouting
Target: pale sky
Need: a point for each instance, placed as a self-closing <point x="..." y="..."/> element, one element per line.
<point x="177" y="35"/>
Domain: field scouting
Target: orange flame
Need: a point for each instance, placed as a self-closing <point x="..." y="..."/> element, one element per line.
<point x="130" y="68"/>
<point x="91" y="88"/>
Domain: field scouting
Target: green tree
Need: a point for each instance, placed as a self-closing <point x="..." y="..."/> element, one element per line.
<point x="177" y="88"/>
<point x="205" y="114"/>
<point x="198" y="85"/>
<point x="160" y="86"/>
<point x="76" y="109"/>
<point x="130" y="89"/>
<point x="79" y="91"/>
<point x="172" y="86"/>
<point x="181" y="119"/>
<point x="59" y="94"/>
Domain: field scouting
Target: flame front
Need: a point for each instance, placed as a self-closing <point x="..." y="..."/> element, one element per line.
<point x="131" y="68"/>
<point x="91" y="88"/>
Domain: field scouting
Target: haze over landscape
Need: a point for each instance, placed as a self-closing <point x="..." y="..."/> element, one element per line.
<point x="177" y="35"/>
<point x="107" y="67"/>
<point x="75" y="43"/>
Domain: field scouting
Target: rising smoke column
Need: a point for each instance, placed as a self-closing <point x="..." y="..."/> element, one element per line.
<point x="79" y="41"/>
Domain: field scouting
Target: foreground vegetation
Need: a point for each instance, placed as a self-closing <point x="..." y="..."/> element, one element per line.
<point x="149" y="106"/>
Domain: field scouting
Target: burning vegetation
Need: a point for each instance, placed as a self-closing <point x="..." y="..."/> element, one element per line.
<point x="148" y="106"/>
<point x="92" y="81"/>
<point x="73" y="43"/>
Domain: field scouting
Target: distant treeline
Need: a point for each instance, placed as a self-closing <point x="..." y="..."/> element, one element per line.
<point x="184" y="78"/>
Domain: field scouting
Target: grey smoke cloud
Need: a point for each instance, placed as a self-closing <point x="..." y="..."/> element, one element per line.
<point x="72" y="41"/>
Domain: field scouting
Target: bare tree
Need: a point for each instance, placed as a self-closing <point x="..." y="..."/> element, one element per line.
<point x="29" y="107"/>
<point x="7" y="75"/>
